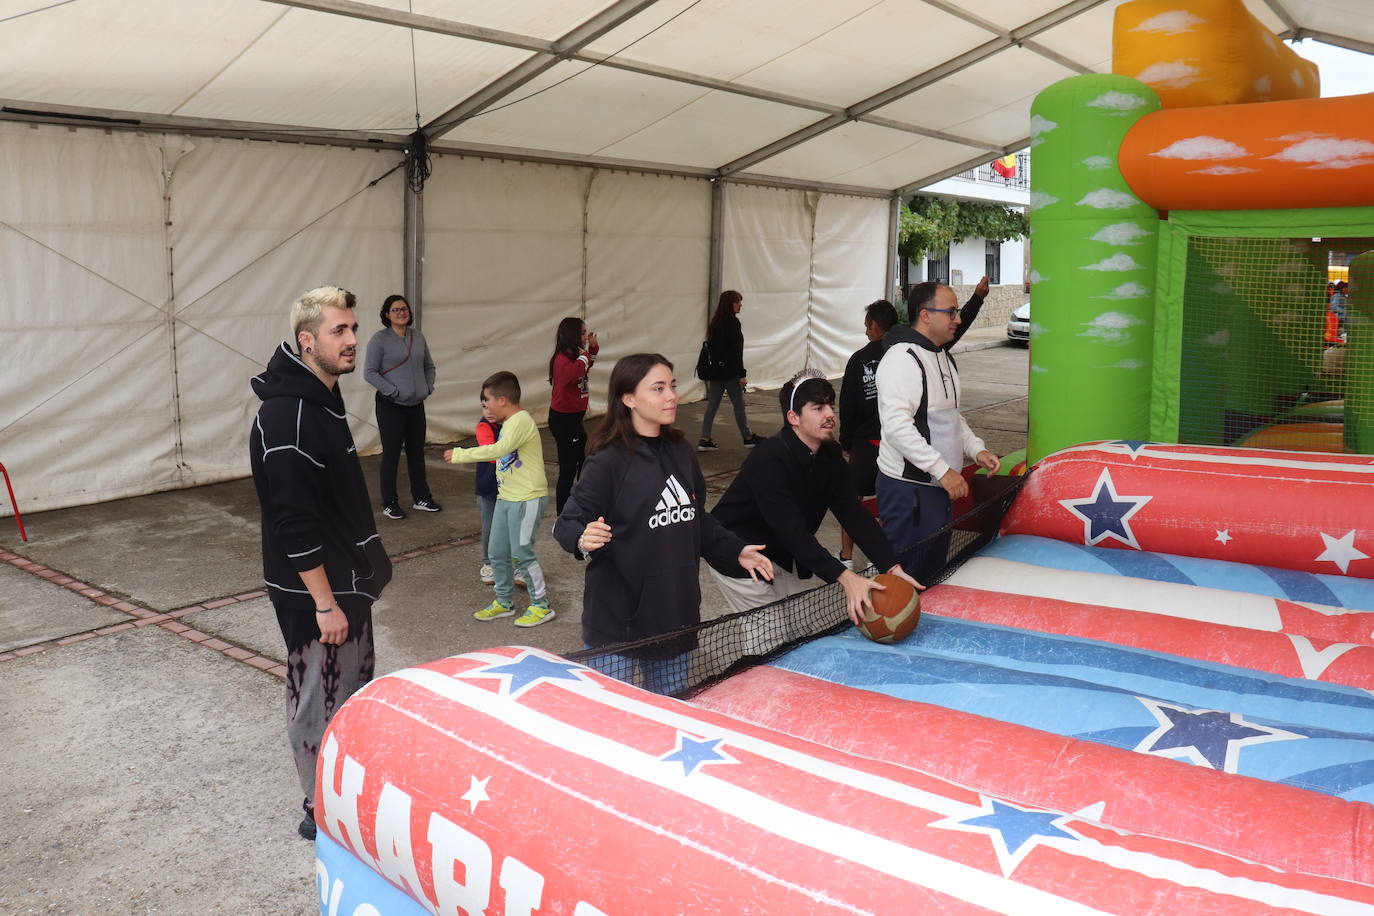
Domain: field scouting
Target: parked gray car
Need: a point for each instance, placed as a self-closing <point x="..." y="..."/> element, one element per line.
<point x="1018" y="325"/>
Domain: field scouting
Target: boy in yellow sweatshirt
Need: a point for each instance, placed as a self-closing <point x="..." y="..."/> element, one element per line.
<point x="521" y="492"/>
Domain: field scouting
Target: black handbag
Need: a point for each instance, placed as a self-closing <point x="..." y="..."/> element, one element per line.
<point x="708" y="369"/>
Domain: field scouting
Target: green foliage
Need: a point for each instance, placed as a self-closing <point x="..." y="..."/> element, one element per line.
<point x="933" y="223"/>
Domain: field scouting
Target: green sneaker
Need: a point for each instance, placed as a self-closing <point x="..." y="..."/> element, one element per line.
<point x="535" y="614"/>
<point x="493" y="610"/>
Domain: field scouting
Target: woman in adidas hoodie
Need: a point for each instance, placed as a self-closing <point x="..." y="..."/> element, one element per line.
<point x="637" y="515"/>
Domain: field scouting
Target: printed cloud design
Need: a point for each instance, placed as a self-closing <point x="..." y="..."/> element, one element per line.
<point x="1097" y="163"/>
<point x="1111" y="327"/>
<point x="1121" y="234"/>
<point x="1203" y="147"/>
<point x="1169" y="74"/>
<point x="1039" y="126"/>
<point x="1107" y="199"/>
<point x="1222" y="288"/>
<point x="1288" y="267"/>
<point x="1219" y="339"/>
<point x="1326" y="152"/>
<point x="1035" y="276"/>
<point x="1039" y="200"/>
<point x="1118" y="102"/>
<point x="1115" y="262"/>
<point x="1128" y="364"/>
<point x="1298" y="79"/>
<point x="1224" y="170"/>
<point x="1128" y="291"/>
<point x="1264" y="84"/>
<point x="1174" y="22"/>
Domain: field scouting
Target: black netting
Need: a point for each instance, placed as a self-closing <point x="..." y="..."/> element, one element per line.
<point x="1263" y="342"/>
<point x="726" y="645"/>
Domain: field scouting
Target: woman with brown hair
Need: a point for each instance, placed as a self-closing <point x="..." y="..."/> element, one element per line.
<point x="638" y="516"/>
<point x="725" y="338"/>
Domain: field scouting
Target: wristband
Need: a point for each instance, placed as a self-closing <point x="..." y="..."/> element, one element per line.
<point x="325" y="611"/>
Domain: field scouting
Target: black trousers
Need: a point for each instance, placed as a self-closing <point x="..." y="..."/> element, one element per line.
<point x="571" y="438"/>
<point x="402" y="427"/>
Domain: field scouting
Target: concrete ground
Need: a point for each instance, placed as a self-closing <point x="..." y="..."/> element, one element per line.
<point x="144" y="766"/>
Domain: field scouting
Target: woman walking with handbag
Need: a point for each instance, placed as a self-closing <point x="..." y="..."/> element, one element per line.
<point x="725" y="341"/>
<point x="399" y="366"/>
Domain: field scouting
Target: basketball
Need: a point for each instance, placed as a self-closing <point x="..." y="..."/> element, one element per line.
<point x="896" y="610"/>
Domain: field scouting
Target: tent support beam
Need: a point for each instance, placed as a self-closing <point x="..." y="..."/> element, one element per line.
<point x="907" y="87"/>
<point x="570" y="47"/>
<point x="603" y="22"/>
<point x="716" y="281"/>
<point x="894" y="218"/>
<point x="413" y="252"/>
<point x="1340" y="41"/>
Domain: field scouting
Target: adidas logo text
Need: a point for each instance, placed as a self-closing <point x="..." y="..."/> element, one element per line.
<point x="674" y="505"/>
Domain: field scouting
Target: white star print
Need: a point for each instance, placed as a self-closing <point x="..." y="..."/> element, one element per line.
<point x="1224" y="535"/>
<point x="476" y="793"/>
<point x="1341" y="550"/>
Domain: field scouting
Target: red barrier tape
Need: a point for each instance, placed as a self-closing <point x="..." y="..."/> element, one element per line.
<point x="13" y="504"/>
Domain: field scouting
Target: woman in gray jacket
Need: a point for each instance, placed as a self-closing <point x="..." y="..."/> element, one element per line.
<point x="398" y="365"/>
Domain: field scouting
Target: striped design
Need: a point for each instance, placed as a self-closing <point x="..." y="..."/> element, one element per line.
<point x="617" y="798"/>
<point x="1254" y="506"/>
<point x="1302" y="733"/>
<point x="1289" y="584"/>
<point x="1281" y="826"/>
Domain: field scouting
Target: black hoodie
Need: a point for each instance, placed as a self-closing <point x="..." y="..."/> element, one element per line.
<point x="644" y="581"/>
<point x="315" y="506"/>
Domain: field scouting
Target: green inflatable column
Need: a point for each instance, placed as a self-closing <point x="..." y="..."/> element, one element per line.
<point x="1359" y="357"/>
<point x="1093" y="252"/>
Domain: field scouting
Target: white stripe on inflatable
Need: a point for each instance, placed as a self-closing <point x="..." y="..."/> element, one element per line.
<point x="1255" y="456"/>
<point x="956" y="879"/>
<point x="1170" y="599"/>
<point x="902" y="862"/>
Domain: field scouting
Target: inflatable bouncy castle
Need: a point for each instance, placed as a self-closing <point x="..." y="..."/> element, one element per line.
<point x="1146" y="688"/>
<point x="1185" y="212"/>
<point x="1153" y="694"/>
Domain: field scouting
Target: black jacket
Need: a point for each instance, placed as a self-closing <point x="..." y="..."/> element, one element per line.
<point x="727" y="348"/>
<point x="859" y="389"/>
<point x="644" y="581"/>
<point x="315" y="507"/>
<point x="859" y="396"/>
<point x="782" y="494"/>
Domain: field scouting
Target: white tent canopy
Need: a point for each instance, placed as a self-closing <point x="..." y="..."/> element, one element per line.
<point x="175" y="172"/>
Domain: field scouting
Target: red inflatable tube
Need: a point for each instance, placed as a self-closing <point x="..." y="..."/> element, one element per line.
<point x="1277" y="653"/>
<point x="511" y="781"/>
<point x="1282" y="826"/>
<point x="1292" y="510"/>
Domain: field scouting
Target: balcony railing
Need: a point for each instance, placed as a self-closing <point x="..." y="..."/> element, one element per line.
<point x="984" y="174"/>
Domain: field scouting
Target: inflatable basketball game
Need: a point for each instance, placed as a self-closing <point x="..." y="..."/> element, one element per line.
<point x="1152" y="693"/>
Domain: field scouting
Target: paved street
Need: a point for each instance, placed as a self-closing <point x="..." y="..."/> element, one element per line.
<point x="145" y="766"/>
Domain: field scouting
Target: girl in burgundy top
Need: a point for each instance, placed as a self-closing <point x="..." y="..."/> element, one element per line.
<point x="574" y="351"/>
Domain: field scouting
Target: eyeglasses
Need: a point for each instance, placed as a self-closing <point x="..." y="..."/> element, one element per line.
<point x="805" y="375"/>
<point x="950" y="312"/>
<point x="397" y="310"/>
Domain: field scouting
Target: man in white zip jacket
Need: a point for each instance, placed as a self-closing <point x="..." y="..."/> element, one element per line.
<point x="924" y="437"/>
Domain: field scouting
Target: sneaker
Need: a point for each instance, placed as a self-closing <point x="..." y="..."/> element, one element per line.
<point x="427" y="505"/>
<point x="486" y="574"/>
<point x="752" y="440"/>
<point x="493" y="610"/>
<point x="535" y="614"/>
<point x="520" y="580"/>
<point x="307" y="828"/>
<point x="707" y="445"/>
<point x="393" y="510"/>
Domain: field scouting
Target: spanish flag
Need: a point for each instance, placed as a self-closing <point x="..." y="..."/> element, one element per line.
<point x="1006" y="166"/>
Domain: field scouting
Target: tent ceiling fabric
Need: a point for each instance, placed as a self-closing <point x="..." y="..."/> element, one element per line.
<point x="876" y="96"/>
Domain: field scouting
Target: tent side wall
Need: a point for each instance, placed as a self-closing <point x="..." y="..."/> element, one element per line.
<point x="146" y="277"/>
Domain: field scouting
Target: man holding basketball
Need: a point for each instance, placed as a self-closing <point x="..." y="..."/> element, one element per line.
<point x="782" y="493"/>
